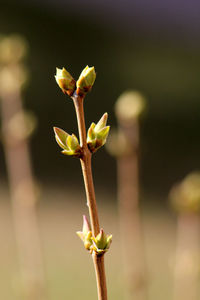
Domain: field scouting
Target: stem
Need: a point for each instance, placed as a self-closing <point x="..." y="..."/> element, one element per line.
<point x="90" y="194"/>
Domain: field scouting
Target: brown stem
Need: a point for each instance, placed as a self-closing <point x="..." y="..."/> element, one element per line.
<point x="90" y="194"/>
<point x="100" y="276"/>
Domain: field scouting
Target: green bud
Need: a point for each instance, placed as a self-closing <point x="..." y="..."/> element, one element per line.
<point x="91" y="133"/>
<point x="86" y="80"/>
<point x="97" y="134"/>
<point x="61" y="137"/>
<point x="102" y="122"/>
<point x="69" y="143"/>
<point x="86" y="233"/>
<point x="65" y="81"/>
<point x="101" y="243"/>
<point x="72" y="142"/>
<point x="103" y="133"/>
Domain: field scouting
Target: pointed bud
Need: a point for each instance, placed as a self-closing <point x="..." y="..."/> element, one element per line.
<point x="97" y="134"/>
<point x="86" y="80"/>
<point x="86" y="233"/>
<point x="65" y="81"/>
<point x="102" y="122"/>
<point x="103" y="133"/>
<point x="91" y="132"/>
<point x="69" y="143"/>
<point x="61" y="137"/>
<point x="101" y="243"/>
<point x="72" y="142"/>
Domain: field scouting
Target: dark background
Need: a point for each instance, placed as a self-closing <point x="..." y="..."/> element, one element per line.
<point x="152" y="47"/>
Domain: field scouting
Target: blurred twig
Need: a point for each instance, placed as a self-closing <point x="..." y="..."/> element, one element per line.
<point x="185" y="198"/>
<point x="124" y="145"/>
<point x="16" y="127"/>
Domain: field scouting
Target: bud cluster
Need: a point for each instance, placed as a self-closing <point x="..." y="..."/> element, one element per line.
<point x="68" y="85"/>
<point x="96" y="138"/>
<point x="97" y="134"/>
<point x="99" y="244"/>
<point x="69" y="143"/>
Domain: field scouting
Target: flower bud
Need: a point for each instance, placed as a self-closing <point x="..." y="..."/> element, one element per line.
<point x="97" y="134"/>
<point x="69" y="143"/>
<point x="86" y="233"/>
<point x="65" y="81"/>
<point x="101" y="243"/>
<point x="86" y="80"/>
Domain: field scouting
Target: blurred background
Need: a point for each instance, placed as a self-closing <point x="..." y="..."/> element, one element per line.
<point x="153" y="47"/>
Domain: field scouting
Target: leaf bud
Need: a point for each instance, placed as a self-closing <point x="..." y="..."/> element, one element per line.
<point x="69" y="143"/>
<point x="97" y="134"/>
<point x="86" y="80"/>
<point x="101" y="243"/>
<point x="86" y="233"/>
<point x="65" y="81"/>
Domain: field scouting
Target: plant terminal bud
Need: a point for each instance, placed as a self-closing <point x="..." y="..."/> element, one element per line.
<point x="86" y="80"/>
<point x="65" y="81"/>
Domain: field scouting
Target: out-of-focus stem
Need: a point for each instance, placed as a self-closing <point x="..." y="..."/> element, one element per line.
<point x="187" y="261"/>
<point x="23" y="200"/>
<point x="90" y="194"/>
<point x="129" y="214"/>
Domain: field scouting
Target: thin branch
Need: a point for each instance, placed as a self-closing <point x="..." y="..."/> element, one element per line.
<point x="98" y="260"/>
